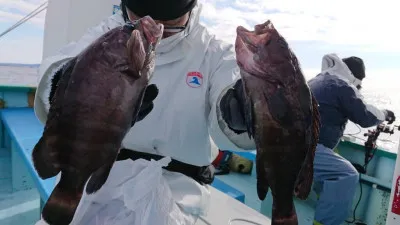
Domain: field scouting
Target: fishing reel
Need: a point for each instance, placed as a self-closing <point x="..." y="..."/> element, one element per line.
<point x="370" y="144"/>
<point x="381" y="128"/>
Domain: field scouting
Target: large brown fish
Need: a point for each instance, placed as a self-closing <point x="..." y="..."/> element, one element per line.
<point x="282" y="116"/>
<point x="95" y="104"/>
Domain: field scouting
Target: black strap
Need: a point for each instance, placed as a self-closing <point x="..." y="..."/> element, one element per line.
<point x="201" y="174"/>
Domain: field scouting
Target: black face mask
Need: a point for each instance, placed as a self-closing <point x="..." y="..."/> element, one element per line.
<point x="163" y="10"/>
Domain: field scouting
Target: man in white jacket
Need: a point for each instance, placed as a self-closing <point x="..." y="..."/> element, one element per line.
<point x="198" y="97"/>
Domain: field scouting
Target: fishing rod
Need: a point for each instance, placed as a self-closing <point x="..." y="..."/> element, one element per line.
<point x="32" y="14"/>
<point x="370" y="144"/>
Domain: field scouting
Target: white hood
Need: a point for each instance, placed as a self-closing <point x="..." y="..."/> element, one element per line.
<point x="334" y="65"/>
<point x="168" y="50"/>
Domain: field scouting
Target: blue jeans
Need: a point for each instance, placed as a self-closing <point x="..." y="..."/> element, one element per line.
<point x="335" y="181"/>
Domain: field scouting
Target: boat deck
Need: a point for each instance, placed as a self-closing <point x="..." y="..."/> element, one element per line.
<point x="247" y="185"/>
<point x="16" y="207"/>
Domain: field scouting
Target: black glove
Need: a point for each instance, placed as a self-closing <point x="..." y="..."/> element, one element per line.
<point x="150" y="94"/>
<point x="389" y="116"/>
<point x="232" y="108"/>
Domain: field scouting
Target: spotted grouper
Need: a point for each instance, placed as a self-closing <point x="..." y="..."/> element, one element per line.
<point x="96" y="102"/>
<point x="281" y="115"/>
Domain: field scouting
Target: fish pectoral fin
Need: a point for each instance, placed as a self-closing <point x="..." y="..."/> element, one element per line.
<point x="99" y="177"/>
<point x="248" y="116"/>
<point x="42" y="160"/>
<point x="262" y="179"/>
<point x="305" y="178"/>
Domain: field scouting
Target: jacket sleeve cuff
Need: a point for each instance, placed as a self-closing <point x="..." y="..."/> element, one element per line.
<point x="380" y="114"/>
<point x="223" y="136"/>
<point x="48" y="68"/>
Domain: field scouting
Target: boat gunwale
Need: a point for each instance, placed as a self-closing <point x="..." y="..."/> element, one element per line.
<point x="354" y="144"/>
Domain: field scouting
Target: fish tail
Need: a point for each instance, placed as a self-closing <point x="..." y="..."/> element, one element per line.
<point x="61" y="206"/>
<point x="305" y="178"/>
<point x="283" y="219"/>
<point x="42" y="161"/>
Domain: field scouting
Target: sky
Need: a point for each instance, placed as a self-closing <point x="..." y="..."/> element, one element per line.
<point x="312" y="28"/>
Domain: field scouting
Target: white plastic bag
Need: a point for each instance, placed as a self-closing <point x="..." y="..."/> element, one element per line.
<point x="137" y="193"/>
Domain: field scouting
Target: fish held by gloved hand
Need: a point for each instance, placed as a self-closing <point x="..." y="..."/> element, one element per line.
<point x="281" y="115"/>
<point x="93" y="106"/>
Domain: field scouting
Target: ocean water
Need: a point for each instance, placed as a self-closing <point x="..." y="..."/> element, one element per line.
<point x="383" y="98"/>
<point x="382" y="95"/>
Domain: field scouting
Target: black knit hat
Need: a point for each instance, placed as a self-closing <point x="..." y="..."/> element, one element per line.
<point x="160" y="9"/>
<point x="356" y="66"/>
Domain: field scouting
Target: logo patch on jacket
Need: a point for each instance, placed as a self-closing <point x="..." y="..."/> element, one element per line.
<point x="194" y="79"/>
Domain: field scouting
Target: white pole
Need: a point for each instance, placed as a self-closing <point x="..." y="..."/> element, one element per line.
<point x="393" y="216"/>
<point x="69" y="20"/>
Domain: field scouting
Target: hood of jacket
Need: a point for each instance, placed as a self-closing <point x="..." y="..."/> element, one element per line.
<point x="173" y="48"/>
<point x="334" y="65"/>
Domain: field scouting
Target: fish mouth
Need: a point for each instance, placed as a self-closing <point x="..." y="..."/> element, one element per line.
<point x="257" y="48"/>
<point x="245" y="40"/>
<point x="264" y="28"/>
<point x="246" y="49"/>
<point x="142" y="45"/>
<point x="152" y="31"/>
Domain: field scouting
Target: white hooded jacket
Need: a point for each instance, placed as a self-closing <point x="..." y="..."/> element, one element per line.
<point x="183" y="116"/>
<point x="185" y="111"/>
